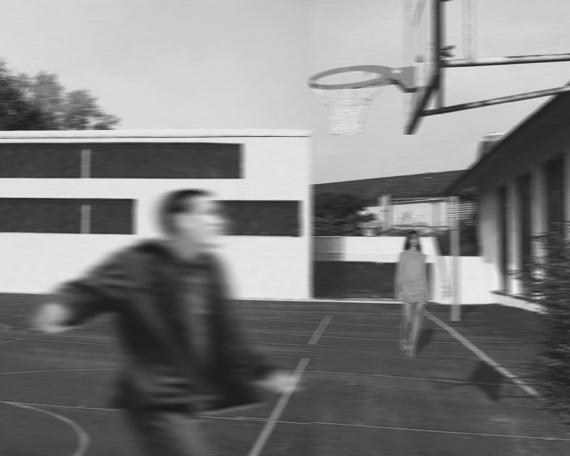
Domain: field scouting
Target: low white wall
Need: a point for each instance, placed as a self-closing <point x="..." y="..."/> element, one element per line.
<point x="476" y="276"/>
<point x="258" y="267"/>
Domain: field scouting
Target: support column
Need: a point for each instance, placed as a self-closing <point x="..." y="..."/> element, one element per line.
<point x="514" y="234"/>
<point x="538" y="207"/>
<point x="455" y="250"/>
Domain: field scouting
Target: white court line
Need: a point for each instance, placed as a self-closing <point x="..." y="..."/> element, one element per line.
<point x="400" y="377"/>
<point x="441" y="431"/>
<point x="483" y="356"/>
<point x="64" y="406"/>
<point x="82" y="435"/>
<point x="48" y="371"/>
<point x="273" y="419"/>
<point x="325" y="423"/>
<point x="405" y="429"/>
<point x="320" y="330"/>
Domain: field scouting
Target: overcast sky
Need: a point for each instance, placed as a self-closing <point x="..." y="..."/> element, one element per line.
<point x="244" y="64"/>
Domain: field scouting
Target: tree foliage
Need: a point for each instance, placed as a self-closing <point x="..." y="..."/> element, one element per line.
<point x="40" y="102"/>
<point x="545" y="278"/>
<point x="337" y="214"/>
<point x="17" y="112"/>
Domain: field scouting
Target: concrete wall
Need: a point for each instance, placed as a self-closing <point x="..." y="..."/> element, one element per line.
<point x="476" y="276"/>
<point x="276" y="166"/>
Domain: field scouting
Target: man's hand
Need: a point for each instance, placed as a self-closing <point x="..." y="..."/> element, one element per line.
<point x="279" y="382"/>
<point x="51" y="319"/>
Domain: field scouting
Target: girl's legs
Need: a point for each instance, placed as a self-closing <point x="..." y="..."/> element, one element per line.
<point x="405" y="326"/>
<point x="416" y="324"/>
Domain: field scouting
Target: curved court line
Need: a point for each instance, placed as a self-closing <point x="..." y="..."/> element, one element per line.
<point x="83" y="440"/>
<point x="484" y="357"/>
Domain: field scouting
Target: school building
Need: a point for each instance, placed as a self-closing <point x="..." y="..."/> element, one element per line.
<point x="70" y="198"/>
<point x="523" y="182"/>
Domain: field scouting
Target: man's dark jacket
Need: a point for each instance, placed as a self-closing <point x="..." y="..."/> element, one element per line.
<point x="142" y="285"/>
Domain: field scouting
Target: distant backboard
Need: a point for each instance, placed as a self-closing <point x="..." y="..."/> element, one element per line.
<point x="422" y="51"/>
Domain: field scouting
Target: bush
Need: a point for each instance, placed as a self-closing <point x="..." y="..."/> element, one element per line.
<point x="546" y="280"/>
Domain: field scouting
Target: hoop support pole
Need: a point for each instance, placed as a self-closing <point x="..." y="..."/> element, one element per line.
<point x="507" y="60"/>
<point x="495" y="101"/>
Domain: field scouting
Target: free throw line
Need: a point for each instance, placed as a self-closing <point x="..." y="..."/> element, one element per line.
<point x="273" y="419"/>
<point x="320" y="330"/>
<point x="483" y="356"/>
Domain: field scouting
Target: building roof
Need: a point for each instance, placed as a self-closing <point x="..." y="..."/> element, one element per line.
<point x="427" y="185"/>
<point x="142" y="135"/>
<point x="539" y="137"/>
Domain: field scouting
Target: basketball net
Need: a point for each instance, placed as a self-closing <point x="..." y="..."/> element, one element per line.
<point x="348" y="108"/>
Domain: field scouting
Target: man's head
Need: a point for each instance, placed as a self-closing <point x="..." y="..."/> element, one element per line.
<point x="193" y="216"/>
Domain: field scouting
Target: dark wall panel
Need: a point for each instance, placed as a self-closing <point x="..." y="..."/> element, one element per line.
<point x="356" y="279"/>
<point x="112" y="216"/>
<point x="40" y="160"/>
<point x="54" y="215"/>
<point x="166" y="160"/>
<point x="116" y="216"/>
<point x="264" y="218"/>
<point x="30" y="215"/>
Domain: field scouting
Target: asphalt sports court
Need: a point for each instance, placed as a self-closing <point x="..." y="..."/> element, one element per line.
<point x="466" y="393"/>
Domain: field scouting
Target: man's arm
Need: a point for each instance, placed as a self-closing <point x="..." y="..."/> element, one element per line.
<point x="241" y="355"/>
<point x="80" y="300"/>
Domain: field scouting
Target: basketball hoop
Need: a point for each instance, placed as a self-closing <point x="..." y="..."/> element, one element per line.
<point x="348" y="92"/>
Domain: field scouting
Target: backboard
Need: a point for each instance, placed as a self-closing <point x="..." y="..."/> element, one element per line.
<point x="422" y="50"/>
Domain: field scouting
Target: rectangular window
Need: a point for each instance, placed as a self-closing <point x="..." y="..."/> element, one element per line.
<point x="40" y="161"/>
<point x="166" y="160"/>
<point x="55" y="215"/>
<point x="555" y="194"/>
<point x="263" y="218"/>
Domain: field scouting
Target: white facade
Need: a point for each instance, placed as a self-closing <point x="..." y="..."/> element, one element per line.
<point x="276" y="166"/>
<point x="490" y="227"/>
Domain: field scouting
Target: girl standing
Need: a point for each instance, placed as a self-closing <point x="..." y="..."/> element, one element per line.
<point x="412" y="290"/>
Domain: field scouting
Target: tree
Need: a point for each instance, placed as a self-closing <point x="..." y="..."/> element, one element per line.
<point x="45" y="104"/>
<point x="17" y="112"/>
<point x="337" y="214"/>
